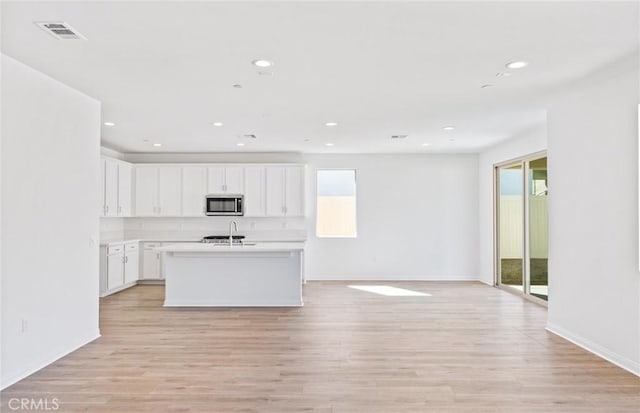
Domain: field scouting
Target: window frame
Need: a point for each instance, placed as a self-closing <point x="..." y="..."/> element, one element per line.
<point x="355" y="195"/>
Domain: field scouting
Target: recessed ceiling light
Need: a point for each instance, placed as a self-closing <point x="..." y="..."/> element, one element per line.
<point x="329" y="144"/>
<point x="486" y="86"/>
<point x="262" y="63"/>
<point x="331" y="124"/>
<point x="425" y="144"/>
<point x="449" y="128"/>
<point x="519" y="64"/>
<point x="109" y="124"/>
<point x="239" y="144"/>
<point x="218" y="123"/>
<point x="157" y="144"/>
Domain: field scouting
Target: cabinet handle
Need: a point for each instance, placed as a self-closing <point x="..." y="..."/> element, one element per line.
<point x="119" y="209"/>
<point x="126" y="259"/>
<point x="106" y="209"/>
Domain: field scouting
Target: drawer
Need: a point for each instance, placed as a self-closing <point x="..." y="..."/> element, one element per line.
<point x="150" y="245"/>
<point x="131" y="247"/>
<point x="115" y="249"/>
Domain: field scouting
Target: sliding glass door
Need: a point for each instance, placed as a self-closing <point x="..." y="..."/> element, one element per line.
<point x="521" y="226"/>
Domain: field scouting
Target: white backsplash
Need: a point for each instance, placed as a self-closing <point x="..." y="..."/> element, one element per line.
<point x="196" y="228"/>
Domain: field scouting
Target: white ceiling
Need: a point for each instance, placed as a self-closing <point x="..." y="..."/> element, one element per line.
<point x="164" y="71"/>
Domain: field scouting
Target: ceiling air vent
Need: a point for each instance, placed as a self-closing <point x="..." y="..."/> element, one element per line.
<point x="60" y="30"/>
<point x="398" y="136"/>
<point x="250" y="136"/>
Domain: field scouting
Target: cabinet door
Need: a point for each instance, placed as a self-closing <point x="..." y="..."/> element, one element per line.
<point x="115" y="271"/>
<point x="101" y="201"/>
<point x="194" y="190"/>
<point x="124" y="189"/>
<point x="111" y="188"/>
<point x="254" y="191"/>
<point x="150" y="263"/>
<point x="216" y="180"/>
<point x="275" y="191"/>
<point x="294" y="191"/>
<point x="169" y="193"/>
<point x="146" y="191"/>
<point x="131" y="265"/>
<point x="234" y="180"/>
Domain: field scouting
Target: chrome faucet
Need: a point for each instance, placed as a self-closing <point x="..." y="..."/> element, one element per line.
<point x="232" y="225"/>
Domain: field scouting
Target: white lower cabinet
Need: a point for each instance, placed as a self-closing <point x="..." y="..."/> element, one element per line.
<point x="119" y="266"/>
<point x="115" y="268"/>
<point x="151" y="262"/>
<point x="131" y="263"/>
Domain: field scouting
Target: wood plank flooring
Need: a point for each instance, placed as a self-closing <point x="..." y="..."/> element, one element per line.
<point x="466" y="348"/>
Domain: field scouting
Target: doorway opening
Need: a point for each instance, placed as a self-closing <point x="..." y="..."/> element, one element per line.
<point x="521" y="224"/>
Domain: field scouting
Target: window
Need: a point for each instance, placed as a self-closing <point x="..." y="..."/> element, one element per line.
<point x="336" y="203"/>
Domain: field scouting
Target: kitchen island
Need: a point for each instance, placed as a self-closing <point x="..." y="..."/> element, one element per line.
<point x="266" y="274"/>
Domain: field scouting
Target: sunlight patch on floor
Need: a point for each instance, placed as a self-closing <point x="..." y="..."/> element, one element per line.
<point x="389" y="291"/>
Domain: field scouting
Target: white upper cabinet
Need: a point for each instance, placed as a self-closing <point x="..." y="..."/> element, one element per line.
<point x="158" y="191"/>
<point x="124" y="189"/>
<point x="169" y="191"/>
<point x="194" y="190"/>
<point x="285" y="191"/>
<point x="216" y="180"/>
<point x="275" y="191"/>
<point x="111" y="188"/>
<point x="146" y="189"/>
<point x="115" y="181"/>
<point x="294" y="191"/>
<point x="226" y="180"/>
<point x="254" y="191"/>
<point x="234" y="180"/>
<point x="101" y="203"/>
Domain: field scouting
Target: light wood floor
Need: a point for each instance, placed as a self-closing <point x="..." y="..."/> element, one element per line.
<point x="467" y="348"/>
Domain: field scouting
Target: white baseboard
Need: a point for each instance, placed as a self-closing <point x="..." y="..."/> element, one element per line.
<point x="46" y="359"/>
<point x="620" y="361"/>
<point x="390" y="278"/>
<point x="222" y="303"/>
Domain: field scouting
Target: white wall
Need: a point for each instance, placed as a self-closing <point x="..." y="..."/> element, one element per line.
<point x="594" y="282"/>
<point x="530" y="141"/>
<point x="417" y="219"/>
<point x="50" y="175"/>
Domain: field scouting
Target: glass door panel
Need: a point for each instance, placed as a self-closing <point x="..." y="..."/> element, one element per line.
<point x="511" y="226"/>
<point x="538" y="236"/>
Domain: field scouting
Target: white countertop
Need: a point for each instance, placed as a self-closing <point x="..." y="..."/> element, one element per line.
<point x="261" y="246"/>
<point x="251" y="236"/>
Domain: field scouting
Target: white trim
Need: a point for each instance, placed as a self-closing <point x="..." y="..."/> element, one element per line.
<point x="614" y="358"/>
<point x="391" y="278"/>
<point x="46" y="360"/>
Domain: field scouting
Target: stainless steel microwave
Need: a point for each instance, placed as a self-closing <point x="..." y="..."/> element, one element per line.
<point x="224" y="204"/>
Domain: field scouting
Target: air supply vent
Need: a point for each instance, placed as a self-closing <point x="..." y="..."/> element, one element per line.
<point x="398" y="136"/>
<point x="60" y="30"/>
<point x="250" y="136"/>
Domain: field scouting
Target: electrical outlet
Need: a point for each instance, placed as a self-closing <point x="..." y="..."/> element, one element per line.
<point x="284" y="225"/>
<point x="24" y="326"/>
<point x="252" y="225"/>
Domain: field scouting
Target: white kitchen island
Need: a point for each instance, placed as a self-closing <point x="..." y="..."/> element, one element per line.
<point x="266" y="274"/>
